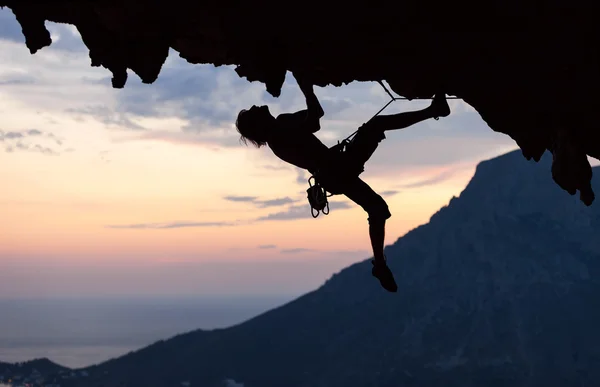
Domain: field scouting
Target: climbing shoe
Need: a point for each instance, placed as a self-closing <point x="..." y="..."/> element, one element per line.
<point x="383" y="273"/>
<point x="439" y="106"/>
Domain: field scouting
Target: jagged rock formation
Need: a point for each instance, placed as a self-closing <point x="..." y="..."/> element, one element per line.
<point x="530" y="69"/>
<point x="500" y="288"/>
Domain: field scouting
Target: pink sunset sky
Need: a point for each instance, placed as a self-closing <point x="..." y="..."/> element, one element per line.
<point x="147" y="191"/>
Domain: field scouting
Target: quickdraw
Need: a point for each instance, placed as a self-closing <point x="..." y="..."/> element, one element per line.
<point x="317" y="197"/>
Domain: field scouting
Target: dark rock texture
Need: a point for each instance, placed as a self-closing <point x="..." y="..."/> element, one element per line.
<point x="530" y="69"/>
<point x="500" y="288"/>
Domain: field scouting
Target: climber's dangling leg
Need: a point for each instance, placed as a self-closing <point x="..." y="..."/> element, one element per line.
<point x="357" y="153"/>
<point x="378" y="212"/>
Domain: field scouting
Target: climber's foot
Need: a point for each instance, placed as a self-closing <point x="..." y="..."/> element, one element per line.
<point x="383" y="273"/>
<point x="439" y="106"/>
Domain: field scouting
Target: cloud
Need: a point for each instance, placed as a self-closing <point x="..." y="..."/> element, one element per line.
<point x="244" y="199"/>
<point x="66" y="38"/>
<point x="189" y="92"/>
<point x="144" y="226"/>
<point x="301" y="176"/>
<point x="301" y="212"/>
<point x="105" y="115"/>
<point x="333" y="106"/>
<point x="36" y="148"/>
<point x="10" y="29"/>
<point x="389" y="193"/>
<point x="275" y="202"/>
<point x="22" y="134"/>
<point x="181" y="89"/>
<point x="267" y="247"/>
<point x="209" y="138"/>
<point x="10" y="135"/>
<point x="293" y="212"/>
<point x="261" y="203"/>
<point x="439" y="178"/>
<point x="276" y="167"/>
<point x="297" y="250"/>
<point x="341" y="205"/>
<point x="16" y="79"/>
<point x="50" y="82"/>
<point x="18" y="141"/>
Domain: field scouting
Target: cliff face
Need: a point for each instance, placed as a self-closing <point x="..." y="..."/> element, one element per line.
<point x="530" y="71"/>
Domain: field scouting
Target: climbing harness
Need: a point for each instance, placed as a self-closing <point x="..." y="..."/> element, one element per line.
<point x="317" y="195"/>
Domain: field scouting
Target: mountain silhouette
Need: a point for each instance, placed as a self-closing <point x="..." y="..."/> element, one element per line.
<point x="29" y="369"/>
<point x="500" y="288"/>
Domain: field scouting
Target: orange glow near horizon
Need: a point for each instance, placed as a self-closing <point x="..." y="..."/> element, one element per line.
<point x="45" y="212"/>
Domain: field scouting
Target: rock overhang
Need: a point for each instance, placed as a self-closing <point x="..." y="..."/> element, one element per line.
<point x="531" y="71"/>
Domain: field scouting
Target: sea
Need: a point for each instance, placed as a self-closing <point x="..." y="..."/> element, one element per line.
<point x="80" y="332"/>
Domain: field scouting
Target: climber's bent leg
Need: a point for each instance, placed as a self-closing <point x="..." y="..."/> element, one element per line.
<point x="438" y="108"/>
<point x="369" y="135"/>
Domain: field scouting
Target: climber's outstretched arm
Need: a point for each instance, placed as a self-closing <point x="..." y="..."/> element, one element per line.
<point x="309" y="118"/>
<point x="315" y="111"/>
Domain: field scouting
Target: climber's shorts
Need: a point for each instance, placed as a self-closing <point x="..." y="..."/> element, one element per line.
<point x="341" y="174"/>
<point x="363" y="145"/>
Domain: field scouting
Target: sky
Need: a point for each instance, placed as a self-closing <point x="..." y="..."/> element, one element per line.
<point x="147" y="191"/>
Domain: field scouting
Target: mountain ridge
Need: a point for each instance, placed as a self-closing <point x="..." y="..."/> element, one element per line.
<point x="499" y="288"/>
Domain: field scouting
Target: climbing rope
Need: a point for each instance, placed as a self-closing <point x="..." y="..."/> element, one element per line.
<point x="393" y="98"/>
<point x="317" y="195"/>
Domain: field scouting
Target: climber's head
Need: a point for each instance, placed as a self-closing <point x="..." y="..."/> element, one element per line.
<point x="254" y="125"/>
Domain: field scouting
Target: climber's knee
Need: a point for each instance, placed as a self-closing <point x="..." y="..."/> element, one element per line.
<point x="371" y="202"/>
<point x="378" y="211"/>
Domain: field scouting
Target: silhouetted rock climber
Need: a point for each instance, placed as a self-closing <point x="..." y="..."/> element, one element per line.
<point x="291" y="138"/>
